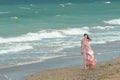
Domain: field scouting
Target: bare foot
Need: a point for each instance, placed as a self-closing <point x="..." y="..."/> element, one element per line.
<point x="85" y="67"/>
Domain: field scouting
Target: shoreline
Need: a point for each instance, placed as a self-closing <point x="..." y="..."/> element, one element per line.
<point x="103" y="71"/>
<point x="106" y="53"/>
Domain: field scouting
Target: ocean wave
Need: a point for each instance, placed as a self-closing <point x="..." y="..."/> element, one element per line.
<point x="113" y="21"/>
<point x="109" y="33"/>
<point x="65" y="4"/>
<point x="98" y="42"/>
<point x="105" y="27"/>
<point x="62" y="5"/>
<point x="15" y="48"/>
<point x="33" y="60"/>
<point x="106" y="38"/>
<point x="113" y="39"/>
<point x="32" y="37"/>
<point x="64" y="47"/>
<point x="74" y="31"/>
<point x="4" y="12"/>
<point x="107" y="2"/>
<point x="40" y="59"/>
<point x="14" y="17"/>
<point x="51" y="34"/>
<point x="44" y="34"/>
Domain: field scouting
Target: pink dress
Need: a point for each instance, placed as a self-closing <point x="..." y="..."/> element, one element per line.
<point x="87" y="53"/>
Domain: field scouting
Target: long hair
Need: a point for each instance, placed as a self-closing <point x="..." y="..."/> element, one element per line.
<point x="87" y="37"/>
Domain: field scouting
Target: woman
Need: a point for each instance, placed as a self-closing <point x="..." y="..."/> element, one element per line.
<point x="87" y="52"/>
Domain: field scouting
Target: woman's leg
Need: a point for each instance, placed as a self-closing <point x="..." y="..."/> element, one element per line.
<point x="86" y="63"/>
<point x="84" y="60"/>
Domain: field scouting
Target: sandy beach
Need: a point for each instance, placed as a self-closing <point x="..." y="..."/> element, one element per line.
<point x="104" y="71"/>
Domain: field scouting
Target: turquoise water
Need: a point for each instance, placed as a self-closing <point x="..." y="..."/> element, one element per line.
<point x="20" y="19"/>
<point x="34" y="31"/>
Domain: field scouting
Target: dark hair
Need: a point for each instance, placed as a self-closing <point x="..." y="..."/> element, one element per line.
<point x="87" y="37"/>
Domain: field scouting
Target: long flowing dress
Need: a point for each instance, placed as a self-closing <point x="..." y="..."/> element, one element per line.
<point x="87" y="53"/>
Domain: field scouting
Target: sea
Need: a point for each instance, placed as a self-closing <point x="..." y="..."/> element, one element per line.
<point x="33" y="31"/>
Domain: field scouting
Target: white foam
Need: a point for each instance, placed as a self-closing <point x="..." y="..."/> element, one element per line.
<point x="66" y="45"/>
<point x="106" y="38"/>
<point x="85" y="28"/>
<point x="44" y="34"/>
<point x="50" y="57"/>
<point x="99" y="53"/>
<point x="108" y="2"/>
<point x="33" y="36"/>
<point x="63" y="47"/>
<point x="98" y="42"/>
<point x="51" y="34"/>
<point x="74" y="31"/>
<point x="65" y="4"/>
<point x="113" y="21"/>
<point x="41" y="59"/>
<point x="15" y="48"/>
<point x="62" y="5"/>
<point x="4" y="12"/>
<point x="112" y="39"/>
<point x="101" y="27"/>
<point x="14" y="17"/>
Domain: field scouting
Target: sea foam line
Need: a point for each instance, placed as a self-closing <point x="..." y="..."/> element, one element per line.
<point x="15" y="17"/>
<point x="31" y="37"/>
<point x="113" y="21"/>
<point x="107" y="2"/>
<point x="74" y="31"/>
<point x="103" y="27"/>
<point x="44" y="34"/>
<point x="65" y="4"/>
<point x="17" y="48"/>
<point x="40" y="59"/>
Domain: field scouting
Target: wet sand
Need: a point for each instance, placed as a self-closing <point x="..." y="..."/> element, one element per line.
<point x="104" y="71"/>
